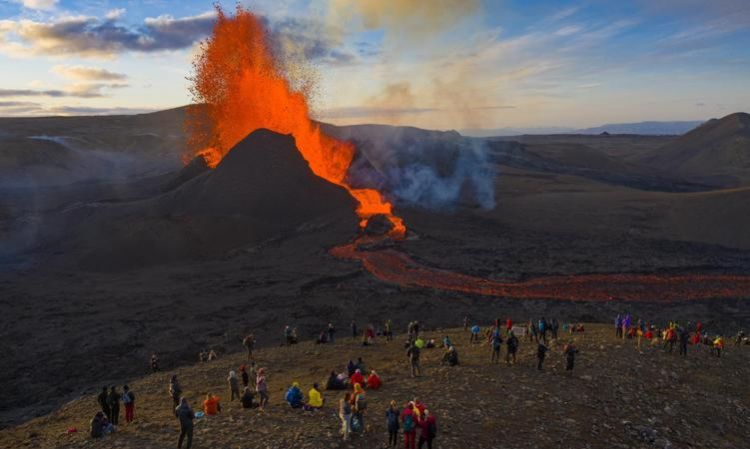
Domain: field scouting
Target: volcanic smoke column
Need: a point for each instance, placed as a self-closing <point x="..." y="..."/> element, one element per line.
<point x="244" y="88"/>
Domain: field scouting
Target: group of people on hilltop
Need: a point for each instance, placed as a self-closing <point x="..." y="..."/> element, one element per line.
<point x="670" y="335"/>
<point x="108" y="418"/>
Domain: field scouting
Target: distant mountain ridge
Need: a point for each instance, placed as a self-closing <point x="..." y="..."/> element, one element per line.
<point x="644" y="128"/>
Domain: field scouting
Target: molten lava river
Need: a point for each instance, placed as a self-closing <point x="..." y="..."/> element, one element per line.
<point x="244" y="87"/>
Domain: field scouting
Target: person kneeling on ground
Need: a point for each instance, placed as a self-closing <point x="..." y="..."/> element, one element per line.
<point x="294" y="396"/>
<point x="212" y="405"/>
<point x="247" y="398"/>
<point x="451" y="356"/>
<point x="97" y="425"/>
<point x="373" y="381"/>
<point x="315" y="400"/>
<point x="357" y="378"/>
<point x="335" y="382"/>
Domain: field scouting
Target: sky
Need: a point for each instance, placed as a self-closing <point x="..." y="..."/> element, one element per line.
<point x="443" y="64"/>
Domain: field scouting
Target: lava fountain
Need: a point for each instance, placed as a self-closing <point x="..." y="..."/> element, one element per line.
<point x="241" y="87"/>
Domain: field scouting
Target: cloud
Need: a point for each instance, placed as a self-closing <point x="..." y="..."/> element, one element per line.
<point x="303" y="39"/>
<point x="45" y="5"/>
<point x="87" y="73"/>
<point x="568" y="30"/>
<point x="74" y="90"/>
<point x="86" y="36"/>
<point x="403" y="16"/>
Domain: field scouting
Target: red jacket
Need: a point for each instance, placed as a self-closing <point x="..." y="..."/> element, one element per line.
<point x="373" y="382"/>
<point x="357" y="378"/>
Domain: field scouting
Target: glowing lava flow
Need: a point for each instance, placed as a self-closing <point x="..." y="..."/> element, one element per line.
<point x="395" y="267"/>
<point x="244" y="88"/>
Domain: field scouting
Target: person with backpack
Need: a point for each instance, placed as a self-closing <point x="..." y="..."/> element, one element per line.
<point x="234" y="385"/>
<point x="175" y="391"/>
<point x="413" y="354"/>
<point x="345" y="414"/>
<point x="103" y="400"/>
<point x="261" y="386"/>
<point x="128" y="400"/>
<point x="359" y="408"/>
<point x="541" y="352"/>
<point x="391" y="422"/>
<point x="428" y="424"/>
<point x="496" y="341"/>
<point x="475" y="331"/>
<point x="185" y="415"/>
<point x="409" y="424"/>
<point x="249" y="343"/>
<point x="96" y="425"/>
<point x="512" y="344"/>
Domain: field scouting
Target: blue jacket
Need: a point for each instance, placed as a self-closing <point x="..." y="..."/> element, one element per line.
<point x="391" y="417"/>
<point x="294" y="397"/>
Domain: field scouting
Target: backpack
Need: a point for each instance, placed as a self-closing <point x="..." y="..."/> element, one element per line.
<point x="408" y="423"/>
<point x="361" y="403"/>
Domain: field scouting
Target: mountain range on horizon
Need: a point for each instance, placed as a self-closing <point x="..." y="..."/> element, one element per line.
<point x="645" y="128"/>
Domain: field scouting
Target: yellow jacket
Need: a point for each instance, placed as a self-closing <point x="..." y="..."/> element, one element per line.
<point x="315" y="399"/>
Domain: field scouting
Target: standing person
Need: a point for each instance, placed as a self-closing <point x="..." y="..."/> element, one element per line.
<point x="391" y="422"/>
<point x="570" y="352"/>
<point x="175" y="391"/>
<point x="739" y="338"/>
<point x="288" y="337"/>
<point x="466" y="323"/>
<point x="261" y="386"/>
<point x="331" y="333"/>
<point x="388" y="330"/>
<point x="541" y="352"/>
<point x="128" y="400"/>
<point x="508" y="325"/>
<point x="413" y="354"/>
<point x="353" y="327"/>
<point x="114" y="406"/>
<point x="512" y="344"/>
<point x="345" y="413"/>
<point x="409" y="424"/>
<point x="244" y="375"/>
<point x="475" y="331"/>
<point x="234" y="385"/>
<point x="428" y="424"/>
<point x="554" y="327"/>
<point x="249" y="343"/>
<point x="532" y="331"/>
<point x="543" y="329"/>
<point x="103" y="400"/>
<point x="154" y="363"/>
<point x="359" y="407"/>
<point x="618" y="326"/>
<point x="185" y="415"/>
<point x="684" y="340"/>
<point x="497" y="342"/>
<point x="718" y="345"/>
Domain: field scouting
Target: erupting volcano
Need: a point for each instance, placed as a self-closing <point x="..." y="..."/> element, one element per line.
<point x="244" y="87"/>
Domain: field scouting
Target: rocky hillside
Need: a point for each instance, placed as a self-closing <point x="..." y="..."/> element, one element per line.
<point x="617" y="397"/>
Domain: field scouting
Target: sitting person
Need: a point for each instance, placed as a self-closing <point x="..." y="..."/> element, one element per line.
<point x="212" y="355"/>
<point x="322" y="338"/>
<point x="294" y="396"/>
<point x="212" y="405"/>
<point x="97" y="425"/>
<point x="373" y="381"/>
<point x="430" y="343"/>
<point x="451" y="356"/>
<point x="357" y="378"/>
<point x="247" y="398"/>
<point x="447" y="343"/>
<point x="351" y="367"/>
<point x="315" y="400"/>
<point x="335" y="382"/>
